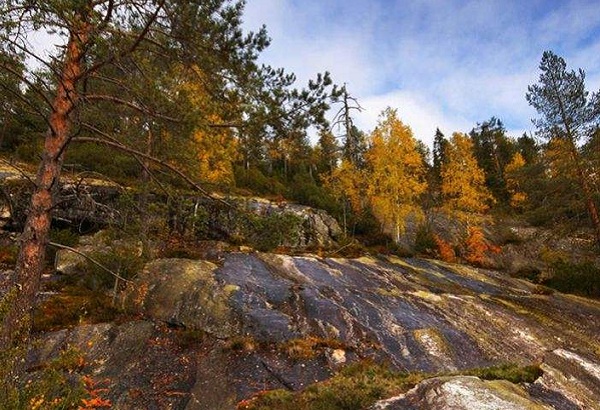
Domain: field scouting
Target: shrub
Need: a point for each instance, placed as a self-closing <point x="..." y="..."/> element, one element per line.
<point x="124" y="259"/>
<point x="268" y="232"/>
<point x="511" y="372"/>
<point x="63" y="237"/>
<point x="72" y="306"/>
<point x="425" y="242"/>
<point x="357" y="386"/>
<point x="445" y="251"/>
<point x="57" y="385"/>
<point x="96" y="158"/>
<point x="477" y="247"/>
<point x="578" y="278"/>
<point x="305" y="190"/>
<point x="257" y="182"/>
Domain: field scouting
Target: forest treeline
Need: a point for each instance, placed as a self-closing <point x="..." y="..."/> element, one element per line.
<point x="170" y="94"/>
<point x="371" y="181"/>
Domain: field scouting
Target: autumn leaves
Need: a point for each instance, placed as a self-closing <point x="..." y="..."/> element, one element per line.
<point x="395" y="177"/>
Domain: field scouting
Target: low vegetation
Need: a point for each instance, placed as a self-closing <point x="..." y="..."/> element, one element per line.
<point x="360" y="385"/>
<point x="357" y="386"/>
<point x="56" y="385"/>
<point x="511" y="372"/>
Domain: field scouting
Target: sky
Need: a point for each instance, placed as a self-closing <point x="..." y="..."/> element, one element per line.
<point x="444" y="64"/>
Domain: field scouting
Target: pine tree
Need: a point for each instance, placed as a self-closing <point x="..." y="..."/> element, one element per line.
<point x="568" y="113"/>
<point x="439" y="148"/>
<point x="327" y="153"/>
<point x="118" y="70"/>
<point x="493" y="150"/>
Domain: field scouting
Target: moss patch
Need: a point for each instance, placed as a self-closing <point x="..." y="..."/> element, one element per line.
<point x="72" y="306"/>
<point x="59" y="384"/>
<point x="360" y="385"/>
<point x="309" y="347"/>
<point x="510" y="372"/>
<point x="357" y="386"/>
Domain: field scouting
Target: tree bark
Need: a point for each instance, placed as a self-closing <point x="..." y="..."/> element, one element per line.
<point x="587" y="191"/>
<point x="16" y="323"/>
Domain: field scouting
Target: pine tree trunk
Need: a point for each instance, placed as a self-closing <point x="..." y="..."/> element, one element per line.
<point x="16" y="323"/>
<point x="144" y="198"/>
<point x="587" y="192"/>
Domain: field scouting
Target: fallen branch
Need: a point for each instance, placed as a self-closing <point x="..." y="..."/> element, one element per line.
<point x="89" y="258"/>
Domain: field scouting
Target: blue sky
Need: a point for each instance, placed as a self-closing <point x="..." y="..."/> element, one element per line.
<point x="441" y="63"/>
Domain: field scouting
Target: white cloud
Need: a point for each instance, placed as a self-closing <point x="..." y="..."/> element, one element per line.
<point x="423" y="116"/>
<point x="444" y="63"/>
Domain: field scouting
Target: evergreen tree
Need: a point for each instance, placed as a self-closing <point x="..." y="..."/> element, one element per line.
<point x="327" y="153"/>
<point x="528" y="148"/>
<point x="570" y="114"/>
<point x="119" y="69"/>
<point x="493" y="150"/>
<point x="439" y="148"/>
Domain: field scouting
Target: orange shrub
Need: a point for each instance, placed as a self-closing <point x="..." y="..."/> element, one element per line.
<point x="444" y="250"/>
<point x="477" y="247"/>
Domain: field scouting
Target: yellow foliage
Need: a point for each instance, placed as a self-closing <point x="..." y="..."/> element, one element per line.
<point x="511" y="172"/>
<point x="463" y="181"/>
<point x="215" y="148"/>
<point x="397" y="173"/>
<point x="348" y="182"/>
<point x="559" y="159"/>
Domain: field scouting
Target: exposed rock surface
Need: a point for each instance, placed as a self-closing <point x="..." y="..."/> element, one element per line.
<point x="318" y="227"/>
<point x="462" y="393"/>
<point x="91" y="204"/>
<point x="183" y="293"/>
<point x="419" y="315"/>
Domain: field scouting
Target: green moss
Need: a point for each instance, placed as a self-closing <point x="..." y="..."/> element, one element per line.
<point x="72" y="306"/>
<point x="309" y="347"/>
<point x="510" y="372"/>
<point x="577" y="278"/>
<point x="56" y="385"/>
<point x="357" y="386"/>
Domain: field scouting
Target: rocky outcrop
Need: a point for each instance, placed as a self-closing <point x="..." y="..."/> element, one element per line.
<point x="317" y="228"/>
<point x="418" y="315"/>
<point x="89" y="205"/>
<point x="85" y="205"/>
<point x="462" y="393"/>
<point x="183" y="293"/>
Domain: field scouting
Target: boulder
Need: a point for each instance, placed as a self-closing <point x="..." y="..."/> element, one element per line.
<point x="462" y="393"/>
<point x="183" y="293"/>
